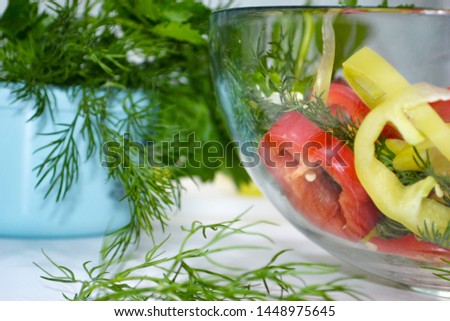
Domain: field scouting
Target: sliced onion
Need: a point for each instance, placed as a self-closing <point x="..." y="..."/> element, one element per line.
<point x="325" y="68"/>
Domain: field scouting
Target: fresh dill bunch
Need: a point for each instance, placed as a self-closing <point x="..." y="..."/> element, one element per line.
<point x="196" y="273"/>
<point x="150" y="58"/>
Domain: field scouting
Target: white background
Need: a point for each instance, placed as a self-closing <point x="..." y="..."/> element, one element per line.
<point x="207" y="203"/>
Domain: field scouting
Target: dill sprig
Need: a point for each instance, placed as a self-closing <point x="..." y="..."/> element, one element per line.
<point x="387" y="228"/>
<point x="386" y="156"/>
<point x="440" y="238"/>
<point x="61" y="162"/>
<point x="340" y="125"/>
<point x="196" y="273"/>
<point x="441" y="272"/>
<point x="443" y="181"/>
<point x="430" y="233"/>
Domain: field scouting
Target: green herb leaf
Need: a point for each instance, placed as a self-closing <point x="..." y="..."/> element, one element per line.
<point x="178" y="31"/>
<point x="16" y="17"/>
<point x="348" y="3"/>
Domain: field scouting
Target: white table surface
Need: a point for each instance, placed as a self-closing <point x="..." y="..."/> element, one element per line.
<point x="208" y="203"/>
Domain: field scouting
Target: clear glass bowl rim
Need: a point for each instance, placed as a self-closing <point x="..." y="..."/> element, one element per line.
<point x="354" y="10"/>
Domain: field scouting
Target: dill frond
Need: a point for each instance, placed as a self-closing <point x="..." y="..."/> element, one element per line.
<point x="339" y="125"/>
<point x="194" y="274"/>
<point x="443" y="273"/>
<point x="430" y="234"/>
<point x="443" y="181"/>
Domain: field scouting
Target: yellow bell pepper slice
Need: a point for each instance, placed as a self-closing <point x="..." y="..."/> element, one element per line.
<point x="406" y="158"/>
<point x="375" y="81"/>
<point x="408" y="205"/>
<point x="397" y="146"/>
<point x="427" y="120"/>
<point x="405" y="106"/>
<point x="372" y="77"/>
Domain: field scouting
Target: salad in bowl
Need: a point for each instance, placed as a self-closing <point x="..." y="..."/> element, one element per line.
<point x="342" y="118"/>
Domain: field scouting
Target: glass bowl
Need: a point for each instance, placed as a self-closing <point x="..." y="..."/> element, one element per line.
<point x="341" y="118"/>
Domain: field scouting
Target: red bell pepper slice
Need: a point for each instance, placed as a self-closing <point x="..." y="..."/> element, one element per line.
<point x="344" y="98"/>
<point x="316" y="173"/>
<point x="442" y="107"/>
<point x="410" y="246"/>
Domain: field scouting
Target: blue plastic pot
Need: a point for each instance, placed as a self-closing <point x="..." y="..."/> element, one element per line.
<point x="91" y="207"/>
